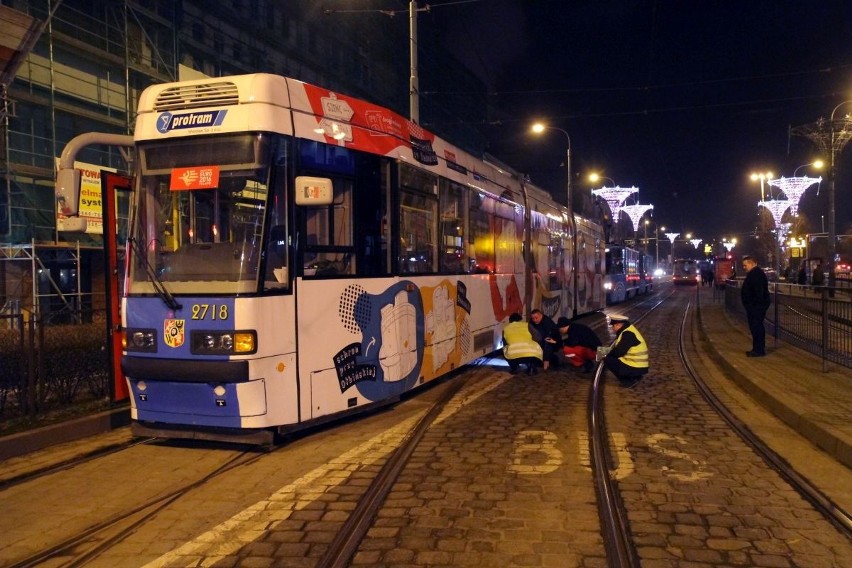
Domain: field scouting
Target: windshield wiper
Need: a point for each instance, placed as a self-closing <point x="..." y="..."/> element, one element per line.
<point x="159" y="287"/>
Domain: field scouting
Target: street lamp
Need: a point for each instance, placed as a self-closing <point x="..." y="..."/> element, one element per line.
<point x="539" y="128"/>
<point x="595" y="177"/>
<point x="762" y="176"/>
<point x="817" y="164"/>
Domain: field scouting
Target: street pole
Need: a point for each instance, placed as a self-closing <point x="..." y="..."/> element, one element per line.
<point x="569" y="201"/>
<point x="413" y="87"/>
<point x="575" y="277"/>
<point x="657" y="246"/>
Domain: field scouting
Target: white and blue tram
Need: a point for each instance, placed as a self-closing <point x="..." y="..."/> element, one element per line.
<point x="298" y="254"/>
<point x="626" y="275"/>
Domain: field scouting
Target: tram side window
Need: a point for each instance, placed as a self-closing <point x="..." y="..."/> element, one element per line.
<point x="453" y="207"/>
<point x="556" y="250"/>
<point x="482" y="233"/>
<point x="328" y="234"/>
<point x="418" y="221"/>
<point x="615" y="264"/>
<point x="277" y="275"/>
<point x="505" y="237"/>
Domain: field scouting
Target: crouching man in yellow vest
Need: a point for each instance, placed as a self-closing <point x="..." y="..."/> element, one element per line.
<point x="519" y="347"/>
<point x="628" y="358"/>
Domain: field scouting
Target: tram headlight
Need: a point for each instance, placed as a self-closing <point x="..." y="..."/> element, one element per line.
<point x="214" y="342"/>
<point x="245" y="342"/>
<point x="607" y="285"/>
<point x="140" y="340"/>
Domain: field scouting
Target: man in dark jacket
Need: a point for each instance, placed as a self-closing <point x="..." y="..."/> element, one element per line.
<point x="548" y="337"/>
<point x="756" y="300"/>
<point x="579" y="344"/>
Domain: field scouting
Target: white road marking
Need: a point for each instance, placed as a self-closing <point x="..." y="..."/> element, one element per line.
<point x="655" y="441"/>
<point x="619" y="442"/>
<point x="250" y="524"/>
<point x="535" y="442"/>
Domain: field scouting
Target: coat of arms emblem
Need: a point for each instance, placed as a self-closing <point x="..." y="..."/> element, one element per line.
<point x="173" y="332"/>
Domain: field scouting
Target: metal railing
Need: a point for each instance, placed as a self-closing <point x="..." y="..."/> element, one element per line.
<point x="816" y="319"/>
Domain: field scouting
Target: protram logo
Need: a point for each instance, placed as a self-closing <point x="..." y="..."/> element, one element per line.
<point x="167" y="121"/>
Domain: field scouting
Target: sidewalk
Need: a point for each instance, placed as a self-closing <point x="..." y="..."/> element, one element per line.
<point x="789" y="382"/>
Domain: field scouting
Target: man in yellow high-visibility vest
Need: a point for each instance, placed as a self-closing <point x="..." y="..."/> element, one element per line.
<point x="628" y="358"/>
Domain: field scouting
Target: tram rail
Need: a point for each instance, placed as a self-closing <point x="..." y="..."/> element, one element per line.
<point x="829" y="510"/>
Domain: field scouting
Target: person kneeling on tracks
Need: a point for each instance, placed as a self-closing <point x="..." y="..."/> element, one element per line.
<point x="547" y="335"/>
<point x="628" y="358"/>
<point x="579" y="344"/>
<point x="519" y="347"/>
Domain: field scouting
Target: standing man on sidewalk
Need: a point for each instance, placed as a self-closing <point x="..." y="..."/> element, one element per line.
<point x="756" y="300"/>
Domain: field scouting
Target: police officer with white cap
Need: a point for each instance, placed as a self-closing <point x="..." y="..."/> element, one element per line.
<point x="628" y="358"/>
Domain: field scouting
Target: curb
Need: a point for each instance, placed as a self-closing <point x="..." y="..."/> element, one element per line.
<point x="68" y="431"/>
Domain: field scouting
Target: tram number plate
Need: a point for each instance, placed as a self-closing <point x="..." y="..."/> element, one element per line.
<point x="210" y="311"/>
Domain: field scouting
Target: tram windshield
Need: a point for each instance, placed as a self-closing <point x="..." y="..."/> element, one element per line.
<point x="198" y="223"/>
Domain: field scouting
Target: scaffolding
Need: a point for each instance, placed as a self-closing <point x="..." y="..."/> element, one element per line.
<point x="31" y="289"/>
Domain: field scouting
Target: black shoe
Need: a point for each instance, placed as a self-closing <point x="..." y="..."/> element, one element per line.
<point x="755" y="354"/>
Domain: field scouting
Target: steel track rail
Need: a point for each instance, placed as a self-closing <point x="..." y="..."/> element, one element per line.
<point x="71" y="546"/>
<point x="837" y="516"/>
<point x="346" y="542"/>
<point x="613" y="515"/>
<point x="72" y="462"/>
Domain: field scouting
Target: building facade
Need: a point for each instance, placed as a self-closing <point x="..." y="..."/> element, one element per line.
<point x="89" y="60"/>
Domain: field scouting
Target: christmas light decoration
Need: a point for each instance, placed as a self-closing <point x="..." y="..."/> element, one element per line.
<point x="777" y="207"/>
<point x="614" y="197"/>
<point x="635" y="213"/>
<point x="672" y="236"/>
<point x="830" y="136"/>
<point x="794" y="188"/>
<point x="695" y="242"/>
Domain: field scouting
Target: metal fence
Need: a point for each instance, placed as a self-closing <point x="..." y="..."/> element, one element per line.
<point x="49" y="367"/>
<point x="817" y="319"/>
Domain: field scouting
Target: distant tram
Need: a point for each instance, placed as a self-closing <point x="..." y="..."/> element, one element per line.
<point x="627" y="274"/>
<point x="685" y="271"/>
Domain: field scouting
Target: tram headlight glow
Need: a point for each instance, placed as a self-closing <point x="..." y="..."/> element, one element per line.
<point x="229" y="342"/>
<point x="607" y="285"/>
<point x="140" y="340"/>
<point x="244" y="342"/>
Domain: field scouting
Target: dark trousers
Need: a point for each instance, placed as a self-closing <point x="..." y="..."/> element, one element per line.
<point x="530" y="362"/>
<point x="755" y="326"/>
<point x="621" y="371"/>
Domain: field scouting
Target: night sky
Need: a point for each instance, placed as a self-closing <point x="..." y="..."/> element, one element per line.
<point x="683" y="99"/>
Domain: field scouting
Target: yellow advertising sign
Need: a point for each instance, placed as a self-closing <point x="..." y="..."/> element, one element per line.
<point x="91" y="207"/>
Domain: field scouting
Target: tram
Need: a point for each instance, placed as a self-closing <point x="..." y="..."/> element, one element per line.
<point x="627" y="273"/>
<point x="298" y="255"/>
<point x="685" y="271"/>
